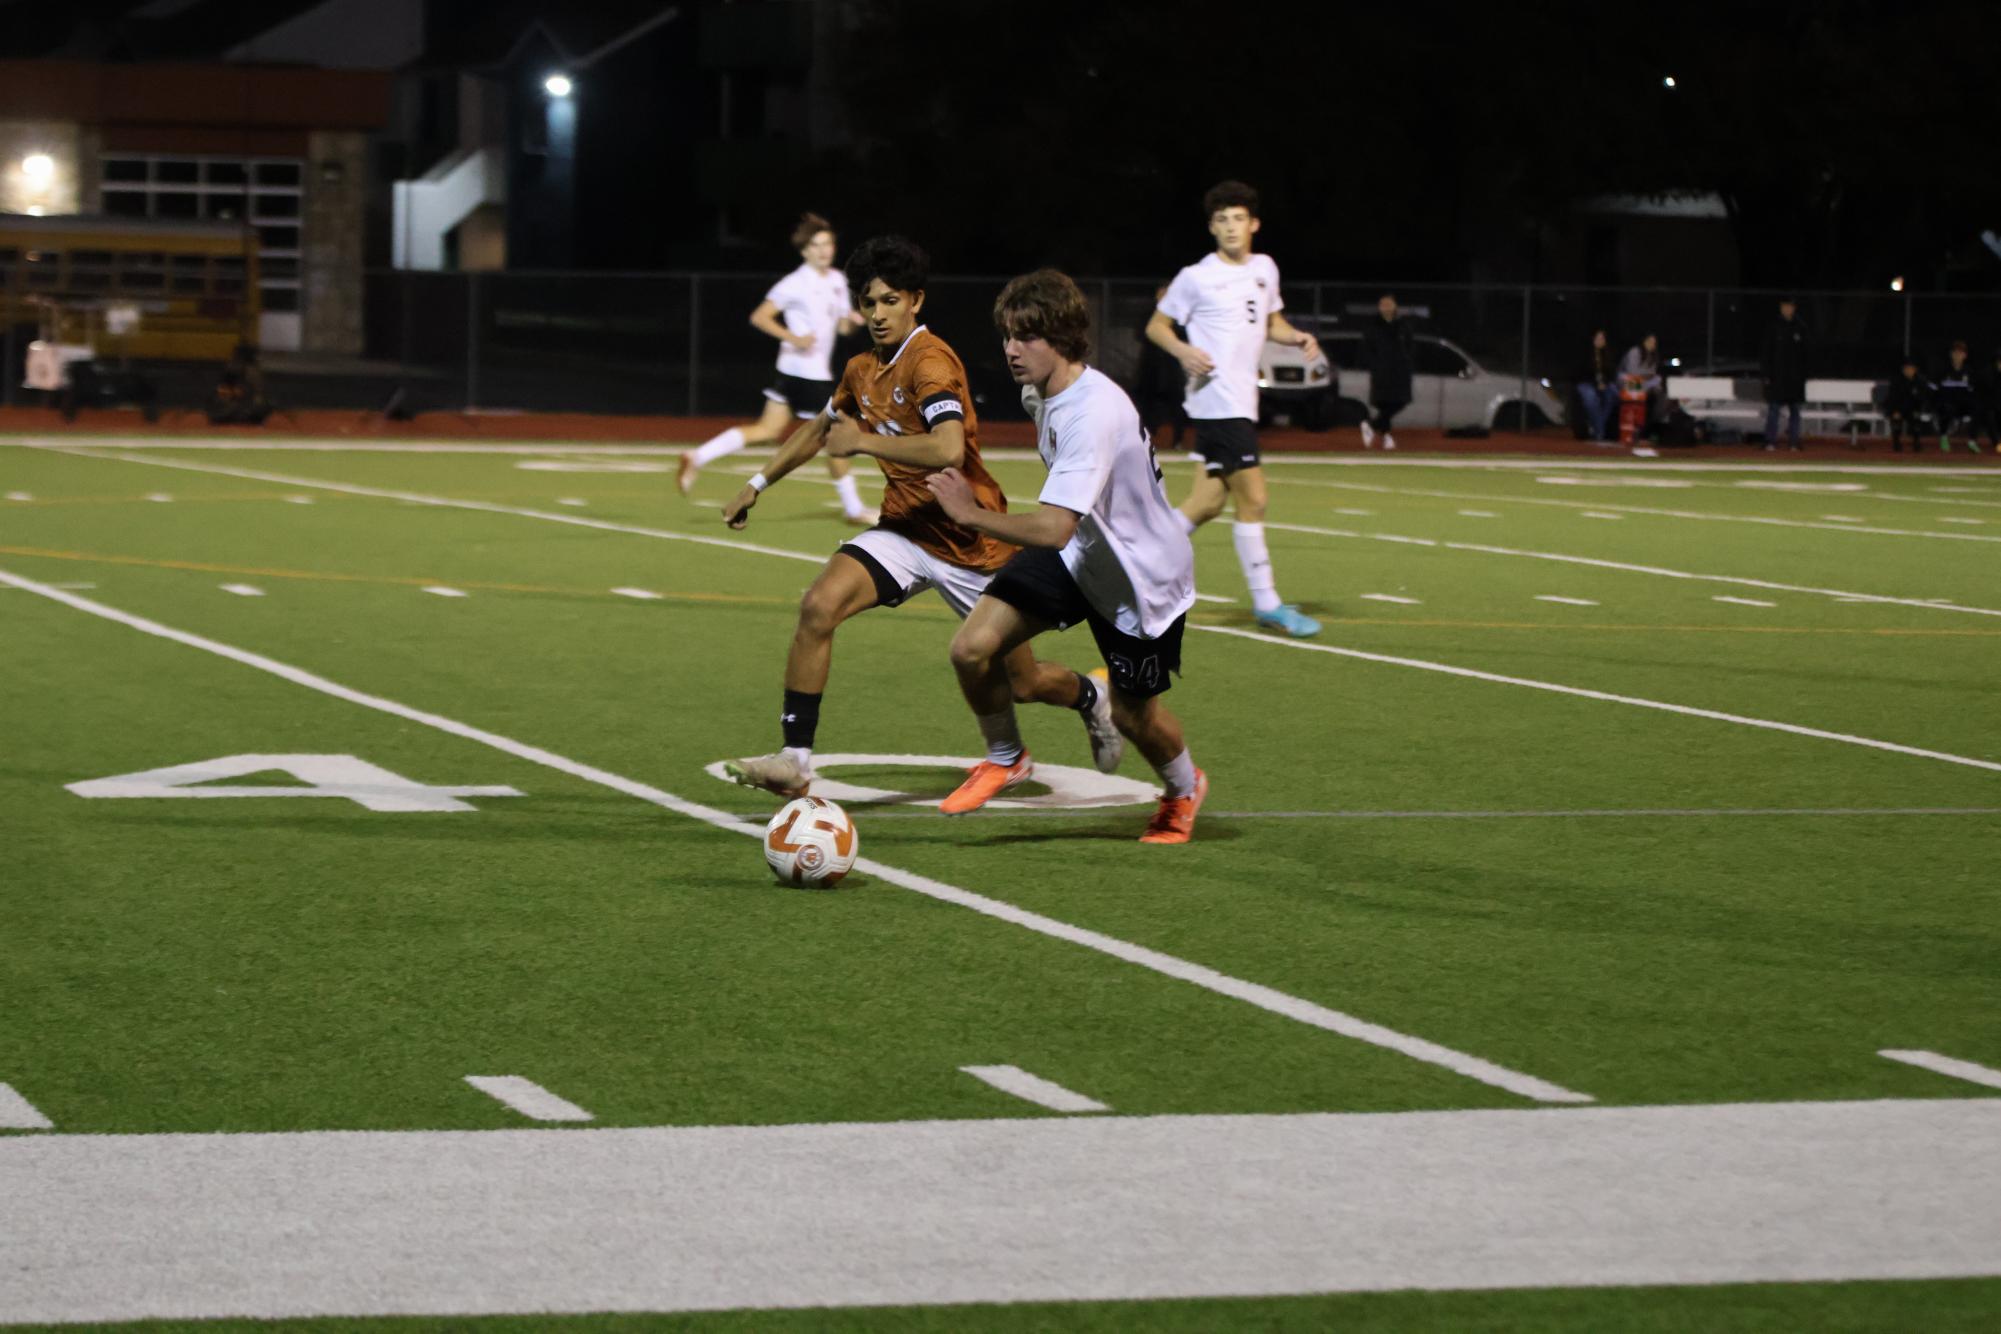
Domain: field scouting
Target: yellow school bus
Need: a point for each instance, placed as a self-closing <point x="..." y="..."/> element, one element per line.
<point x="193" y="284"/>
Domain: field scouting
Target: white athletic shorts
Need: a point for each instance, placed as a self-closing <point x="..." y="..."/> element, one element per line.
<point x="902" y="570"/>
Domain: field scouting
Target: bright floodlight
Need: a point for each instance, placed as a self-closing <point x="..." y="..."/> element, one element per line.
<point x="39" y="168"/>
<point x="1668" y="82"/>
<point x="557" y="85"/>
<point x="1896" y="284"/>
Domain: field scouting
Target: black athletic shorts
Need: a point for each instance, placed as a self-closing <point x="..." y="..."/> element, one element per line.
<point x="806" y="398"/>
<point x="1036" y="584"/>
<point x="1226" y="444"/>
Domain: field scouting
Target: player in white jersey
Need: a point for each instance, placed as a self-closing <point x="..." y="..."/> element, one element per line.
<point x="1230" y="305"/>
<point x="1104" y="546"/>
<point x="805" y="311"/>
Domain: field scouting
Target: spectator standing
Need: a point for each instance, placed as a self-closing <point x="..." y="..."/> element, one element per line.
<point x="1783" y="365"/>
<point x="1642" y="364"/>
<point x="1906" y="403"/>
<point x="1956" y="399"/>
<point x="1598" y="386"/>
<point x="1390" y="358"/>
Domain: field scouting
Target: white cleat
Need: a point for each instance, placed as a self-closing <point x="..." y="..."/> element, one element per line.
<point x="689" y="470"/>
<point x="1368" y="436"/>
<point x="777" y="773"/>
<point x="863" y="518"/>
<point x="1107" y="746"/>
<point x="1389" y="441"/>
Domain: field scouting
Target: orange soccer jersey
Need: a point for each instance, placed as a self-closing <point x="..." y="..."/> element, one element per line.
<point x="921" y="387"/>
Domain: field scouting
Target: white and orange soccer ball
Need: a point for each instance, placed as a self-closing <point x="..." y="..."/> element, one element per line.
<point x="811" y="843"/>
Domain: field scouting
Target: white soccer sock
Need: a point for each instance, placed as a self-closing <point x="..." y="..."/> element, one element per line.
<point x="729" y="442"/>
<point x="803" y="754"/>
<point x="1188" y="525"/>
<point x="1251" y="554"/>
<point x="850" y="494"/>
<point x="1003" y="736"/>
<point x="1178" y="774"/>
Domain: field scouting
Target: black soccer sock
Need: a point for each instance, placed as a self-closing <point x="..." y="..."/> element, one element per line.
<point x="1087" y="693"/>
<point x="801" y="719"/>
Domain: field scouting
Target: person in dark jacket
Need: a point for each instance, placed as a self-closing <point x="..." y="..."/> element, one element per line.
<point x="1990" y="403"/>
<point x="1389" y="356"/>
<point x="1598" y="386"/>
<point x="1907" y="402"/>
<point x="1956" y="399"/>
<point x="1783" y="366"/>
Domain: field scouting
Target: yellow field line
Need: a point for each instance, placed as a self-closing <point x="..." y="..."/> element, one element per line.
<point x="209" y="567"/>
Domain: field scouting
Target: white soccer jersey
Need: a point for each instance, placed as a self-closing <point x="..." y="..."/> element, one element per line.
<point x="1129" y="554"/>
<point x="1226" y="309"/>
<point x="810" y="303"/>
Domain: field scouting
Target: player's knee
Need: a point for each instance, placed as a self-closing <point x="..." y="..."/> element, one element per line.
<point x="1250" y="511"/>
<point x="973" y="654"/>
<point x="819" y="612"/>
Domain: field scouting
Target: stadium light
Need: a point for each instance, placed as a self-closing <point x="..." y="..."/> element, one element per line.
<point x="1668" y="82"/>
<point x="39" y="169"/>
<point x="1897" y="284"/>
<point x="557" y="85"/>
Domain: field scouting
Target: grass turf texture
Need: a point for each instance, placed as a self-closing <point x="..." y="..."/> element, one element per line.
<point x="257" y="965"/>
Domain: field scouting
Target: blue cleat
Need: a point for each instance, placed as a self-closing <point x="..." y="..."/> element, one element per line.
<point x="1290" y="620"/>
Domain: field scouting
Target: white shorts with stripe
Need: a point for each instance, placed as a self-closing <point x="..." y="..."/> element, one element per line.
<point x="902" y="570"/>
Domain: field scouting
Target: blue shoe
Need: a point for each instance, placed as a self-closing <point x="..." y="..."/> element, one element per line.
<point x="1288" y="619"/>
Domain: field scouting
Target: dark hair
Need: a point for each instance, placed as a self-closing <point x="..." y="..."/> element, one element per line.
<point x="897" y="260"/>
<point x="1229" y="194"/>
<point x="1047" y="305"/>
<point x="1959" y="345"/>
<point x="809" y="226"/>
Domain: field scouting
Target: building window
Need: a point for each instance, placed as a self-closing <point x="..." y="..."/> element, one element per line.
<point x="266" y="193"/>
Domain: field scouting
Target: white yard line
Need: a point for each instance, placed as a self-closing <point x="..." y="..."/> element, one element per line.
<point x="17" y="1113"/>
<point x="1213" y="597"/>
<point x="20" y="495"/>
<point x="439" y="590"/>
<point x="1478" y="514"/>
<point x="1012" y="1079"/>
<point x="1579" y="692"/>
<point x="528" y="1098"/>
<point x="642" y="594"/>
<point x="1391" y="597"/>
<point x="1568" y="602"/>
<point x="1629" y="567"/>
<point x="161" y="498"/>
<point x="1948" y="1066"/>
<point x="439" y="502"/>
<point x="1252" y="993"/>
<point x="1743" y="602"/>
<point x="105" y="1228"/>
<point x="1598" y="510"/>
<point x="574" y="502"/>
<point x="243" y="590"/>
<point x="1956" y="518"/>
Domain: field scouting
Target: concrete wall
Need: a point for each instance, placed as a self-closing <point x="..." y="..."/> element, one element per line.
<point x="335" y="218"/>
<point x="61" y="141"/>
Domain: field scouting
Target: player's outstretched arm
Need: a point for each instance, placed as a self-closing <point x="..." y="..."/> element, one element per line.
<point x="1044" y="526"/>
<point x="1160" y="332"/>
<point x="943" y="446"/>
<point x="766" y="319"/>
<point x="803" y="444"/>
<point x="1278" y="329"/>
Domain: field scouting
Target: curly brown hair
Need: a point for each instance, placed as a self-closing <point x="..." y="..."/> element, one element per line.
<point x="1046" y="304"/>
<point x="1229" y="194"/>
<point x="809" y="226"/>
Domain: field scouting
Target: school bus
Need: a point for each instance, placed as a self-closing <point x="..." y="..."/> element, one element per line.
<point x="193" y="284"/>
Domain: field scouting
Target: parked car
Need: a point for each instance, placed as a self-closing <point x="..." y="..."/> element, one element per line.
<point x="1450" y="390"/>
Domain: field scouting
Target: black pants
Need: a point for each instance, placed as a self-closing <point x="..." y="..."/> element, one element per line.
<point x="1385" y="413"/>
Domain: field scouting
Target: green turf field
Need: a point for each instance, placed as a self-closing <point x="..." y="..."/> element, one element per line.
<point x="1637" y="787"/>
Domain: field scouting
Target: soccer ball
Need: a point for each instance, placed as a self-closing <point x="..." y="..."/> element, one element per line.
<point x="811" y="842"/>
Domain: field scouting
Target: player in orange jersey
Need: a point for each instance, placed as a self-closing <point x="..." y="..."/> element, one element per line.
<point x="906" y="402"/>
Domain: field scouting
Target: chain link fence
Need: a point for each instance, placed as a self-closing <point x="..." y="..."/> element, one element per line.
<point x="682" y="343"/>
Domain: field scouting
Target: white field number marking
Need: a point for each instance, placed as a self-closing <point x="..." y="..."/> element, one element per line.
<point x="528" y="1098"/>
<point x="344" y="776"/>
<point x="1947" y="1065"/>
<point x="17" y="1113"/>
<point x="1033" y="1088"/>
<point x="1743" y="602"/>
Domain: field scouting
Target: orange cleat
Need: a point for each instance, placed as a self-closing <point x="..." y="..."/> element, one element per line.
<point x="985" y="781"/>
<point x="1174" y="822"/>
